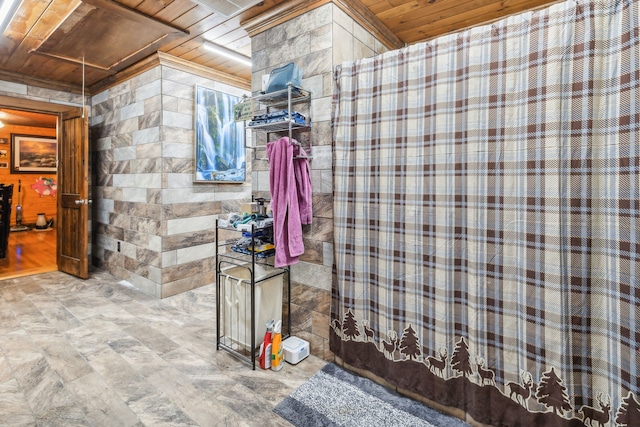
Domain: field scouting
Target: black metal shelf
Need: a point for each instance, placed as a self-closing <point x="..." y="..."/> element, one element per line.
<point x="224" y="260"/>
<point x="284" y="98"/>
<point x="280" y="126"/>
<point x="281" y="98"/>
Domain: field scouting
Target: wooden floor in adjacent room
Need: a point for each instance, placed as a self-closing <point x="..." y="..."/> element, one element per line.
<point x="29" y="252"/>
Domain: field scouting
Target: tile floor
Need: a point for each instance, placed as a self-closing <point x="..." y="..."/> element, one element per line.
<point x="97" y="352"/>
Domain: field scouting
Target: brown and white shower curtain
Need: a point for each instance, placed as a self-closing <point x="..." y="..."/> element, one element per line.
<point x="487" y="217"/>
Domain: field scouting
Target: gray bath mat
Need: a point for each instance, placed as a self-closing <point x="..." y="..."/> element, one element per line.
<point x="336" y="397"/>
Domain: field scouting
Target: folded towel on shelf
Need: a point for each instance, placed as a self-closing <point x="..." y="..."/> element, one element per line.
<point x="264" y="254"/>
<point x="278" y="116"/>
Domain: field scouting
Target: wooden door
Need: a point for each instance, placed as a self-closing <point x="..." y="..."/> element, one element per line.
<point x="73" y="194"/>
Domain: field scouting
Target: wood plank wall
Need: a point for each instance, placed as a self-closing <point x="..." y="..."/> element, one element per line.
<point x="32" y="202"/>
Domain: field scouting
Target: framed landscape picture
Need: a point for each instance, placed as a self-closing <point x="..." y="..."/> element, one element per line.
<point x="219" y="145"/>
<point x="33" y="154"/>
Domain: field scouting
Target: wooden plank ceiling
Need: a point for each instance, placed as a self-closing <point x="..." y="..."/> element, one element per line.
<point x="9" y="116"/>
<point x="51" y="40"/>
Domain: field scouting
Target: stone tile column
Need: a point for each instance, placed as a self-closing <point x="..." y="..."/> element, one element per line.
<point x="316" y="36"/>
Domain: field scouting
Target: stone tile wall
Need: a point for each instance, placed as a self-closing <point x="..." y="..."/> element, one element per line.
<point x="316" y="41"/>
<point x="155" y="228"/>
<point x="36" y="93"/>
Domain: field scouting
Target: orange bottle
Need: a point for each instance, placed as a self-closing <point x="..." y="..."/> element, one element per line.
<point x="277" y="355"/>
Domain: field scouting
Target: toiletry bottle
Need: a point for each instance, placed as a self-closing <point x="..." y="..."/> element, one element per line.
<point x="264" y="359"/>
<point x="277" y="356"/>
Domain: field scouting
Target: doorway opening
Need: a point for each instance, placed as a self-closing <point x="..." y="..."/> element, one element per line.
<point x="26" y="141"/>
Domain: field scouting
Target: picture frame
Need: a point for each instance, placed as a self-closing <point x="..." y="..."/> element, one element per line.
<point x="4" y="165"/>
<point x="219" y="149"/>
<point x="4" y="140"/>
<point x="33" y="154"/>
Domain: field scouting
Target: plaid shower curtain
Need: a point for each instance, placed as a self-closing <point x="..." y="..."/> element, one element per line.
<point x="487" y="217"/>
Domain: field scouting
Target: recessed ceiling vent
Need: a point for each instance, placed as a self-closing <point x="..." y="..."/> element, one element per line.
<point x="228" y="7"/>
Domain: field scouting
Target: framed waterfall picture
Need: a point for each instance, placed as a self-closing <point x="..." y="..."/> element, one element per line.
<point x="219" y="147"/>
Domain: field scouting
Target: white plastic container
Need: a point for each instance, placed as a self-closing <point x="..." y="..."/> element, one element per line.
<point x="295" y="349"/>
<point x="236" y="287"/>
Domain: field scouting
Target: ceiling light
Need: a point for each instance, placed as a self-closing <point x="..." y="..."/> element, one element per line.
<point x="227" y="53"/>
<point x="227" y="8"/>
<point x="7" y="10"/>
